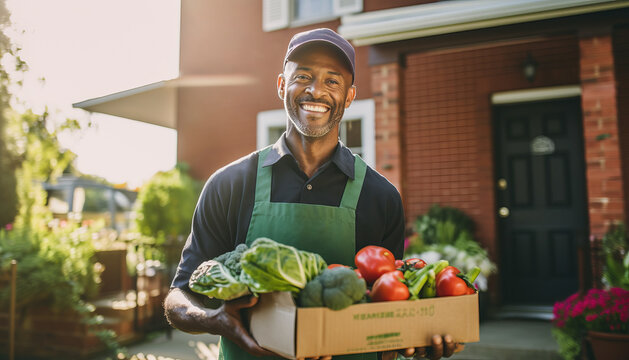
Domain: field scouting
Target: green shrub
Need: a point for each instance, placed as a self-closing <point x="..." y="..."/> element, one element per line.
<point x="166" y="203"/>
<point x="55" y="268"/>
<point x="616" y="257"/>
<point x="443" y="225"/>
<point x="446" y="233"/>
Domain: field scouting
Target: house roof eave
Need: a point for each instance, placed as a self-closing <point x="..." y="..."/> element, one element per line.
<point x="156" y="103"/>
<point x="445" y="17"/>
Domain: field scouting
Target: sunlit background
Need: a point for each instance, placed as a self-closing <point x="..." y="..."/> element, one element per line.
<point x="77" y="50"/>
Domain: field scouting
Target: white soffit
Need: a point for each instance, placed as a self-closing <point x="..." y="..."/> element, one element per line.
<point x="539" y="94"/>
<point x="156" y="103"/>
<point x="451" y="16"/>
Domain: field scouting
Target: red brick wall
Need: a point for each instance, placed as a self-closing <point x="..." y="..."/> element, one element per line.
<point x="621" y="61"/>
<point x="448" y="126"/>
<point x="384" y="87"/>
<point x="598" y="81"/>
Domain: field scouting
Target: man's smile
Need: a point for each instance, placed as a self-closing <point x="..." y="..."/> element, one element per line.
<point x="314" y="107"/>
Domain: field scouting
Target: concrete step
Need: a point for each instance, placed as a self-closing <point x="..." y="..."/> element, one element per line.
<point x="513" y="339"/>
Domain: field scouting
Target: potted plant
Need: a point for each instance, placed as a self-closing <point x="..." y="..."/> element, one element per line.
<point x="596" y="324"/>
<point x="599" y="318"/>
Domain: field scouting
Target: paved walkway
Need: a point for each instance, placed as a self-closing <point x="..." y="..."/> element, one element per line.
<point x="181" y="346"/>
<point x="500" y="339"/>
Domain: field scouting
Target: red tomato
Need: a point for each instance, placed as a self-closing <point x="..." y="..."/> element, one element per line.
<point x="417" y="263"/>
<point x="373" y="261"/>
<point x="389" y="287"/>
<point x="358" y="273"/>
<point x="332" y="266"/>
<point x="399" y="263"/>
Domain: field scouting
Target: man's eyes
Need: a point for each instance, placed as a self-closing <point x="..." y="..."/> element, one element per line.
<point x="304" y="77"/>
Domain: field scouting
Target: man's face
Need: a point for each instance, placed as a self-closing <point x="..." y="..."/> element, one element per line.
<point x="316" y="87"/>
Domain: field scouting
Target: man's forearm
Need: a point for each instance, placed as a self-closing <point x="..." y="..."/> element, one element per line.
<point x="186" y="312"/>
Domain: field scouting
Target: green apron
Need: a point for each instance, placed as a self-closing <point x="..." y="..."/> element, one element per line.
<point x="326" y="230"/>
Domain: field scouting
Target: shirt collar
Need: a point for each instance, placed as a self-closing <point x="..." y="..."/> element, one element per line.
<point x="342" y="156"/>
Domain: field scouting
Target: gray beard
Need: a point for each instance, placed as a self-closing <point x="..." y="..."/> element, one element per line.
<point x="309" y="131"/>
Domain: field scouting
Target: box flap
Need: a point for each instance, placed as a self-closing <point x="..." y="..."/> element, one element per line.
<point x="276" y="311"/>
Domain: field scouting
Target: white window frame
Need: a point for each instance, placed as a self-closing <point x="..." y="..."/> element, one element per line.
<point x="278" y="14"/>
<point x="360" y="109"/>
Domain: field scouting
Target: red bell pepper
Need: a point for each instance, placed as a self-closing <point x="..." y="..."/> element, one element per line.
<point x="451" y="282"/>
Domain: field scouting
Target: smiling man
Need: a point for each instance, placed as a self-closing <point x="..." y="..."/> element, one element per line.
<point x="307" y="190"/>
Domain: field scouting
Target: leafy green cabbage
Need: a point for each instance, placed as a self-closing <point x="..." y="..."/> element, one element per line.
<point x="216" y="280"/>
<point x="270" y="266"/>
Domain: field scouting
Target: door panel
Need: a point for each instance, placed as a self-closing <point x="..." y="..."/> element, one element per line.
<point x="539" y="156"/>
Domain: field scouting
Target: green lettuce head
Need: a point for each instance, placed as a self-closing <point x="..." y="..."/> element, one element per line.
<point x="216" y="280"/>
<point x="270" y="266"/>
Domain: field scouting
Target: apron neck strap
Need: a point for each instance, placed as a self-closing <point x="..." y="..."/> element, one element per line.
<point x="350" y="195"/>
<point x="263" y="179"/>
<point x="354" y="187"/>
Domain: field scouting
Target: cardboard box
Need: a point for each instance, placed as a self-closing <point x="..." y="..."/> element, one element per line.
<point x="282" y="327"/>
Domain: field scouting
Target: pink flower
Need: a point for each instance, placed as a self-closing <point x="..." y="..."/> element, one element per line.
<point x="578" y="309"/>
<point x="591" y="317"/>
<point x="9" y="226"/>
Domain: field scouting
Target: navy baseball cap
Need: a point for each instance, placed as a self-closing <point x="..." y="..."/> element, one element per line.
<point x="326" y="36"/>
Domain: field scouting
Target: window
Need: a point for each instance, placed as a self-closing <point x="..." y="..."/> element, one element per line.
<point x="58" y="201"/>
<point x="279" y="14"/>
<point x="96" y="199"/>
<point x="357" y="129"/>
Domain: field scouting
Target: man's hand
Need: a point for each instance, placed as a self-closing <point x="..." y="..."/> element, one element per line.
<point x="230" y="325"/>
<point x="441" y="347"/>
<point x="186" y="312"/>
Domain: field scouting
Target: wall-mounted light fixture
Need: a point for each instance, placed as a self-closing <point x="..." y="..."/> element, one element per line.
<point x="529" y="67"/>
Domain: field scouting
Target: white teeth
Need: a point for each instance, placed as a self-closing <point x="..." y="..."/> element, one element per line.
<point x="314" y="108"/>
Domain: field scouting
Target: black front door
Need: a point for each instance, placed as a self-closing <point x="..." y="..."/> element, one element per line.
<point x="541" y="199"/>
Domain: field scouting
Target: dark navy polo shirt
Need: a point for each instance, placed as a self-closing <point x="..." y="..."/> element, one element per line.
<point x="223" y="212"/>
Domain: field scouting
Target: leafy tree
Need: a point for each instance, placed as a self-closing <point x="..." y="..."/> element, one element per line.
<point x="8" y="164"/>
<point x="166" y="203"/>
<point x="40" y="158"/>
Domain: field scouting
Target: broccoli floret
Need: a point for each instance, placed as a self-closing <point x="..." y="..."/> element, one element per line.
<point x="335" y="288"/>
<point x="231" y="259"/>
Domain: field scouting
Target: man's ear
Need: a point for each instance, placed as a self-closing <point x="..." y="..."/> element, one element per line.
<point x="351" y="95"/>
<point x="281" y="86"/>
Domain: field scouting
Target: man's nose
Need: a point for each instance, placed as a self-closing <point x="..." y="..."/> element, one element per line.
<point x="316" y="89"/>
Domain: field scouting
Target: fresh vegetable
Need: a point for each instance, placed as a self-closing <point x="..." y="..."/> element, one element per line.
<point x="373" y="261"/>
<point x="219" y="278"/>
<point x="335" y="288"/>
<point x="215" y="280"/>
<point x="415" y="262"/>
<point x="332" y="266"/>
<point x="409" y="264"/>
<point x="270" y="266"/>
<point x="389" y="287"/>
<point x="358" y="273"/>
<point x="416" y="279"/>
<point x="429" y="290"/>
<point x="451" y="282"/>
<point x="231" y="259"/>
